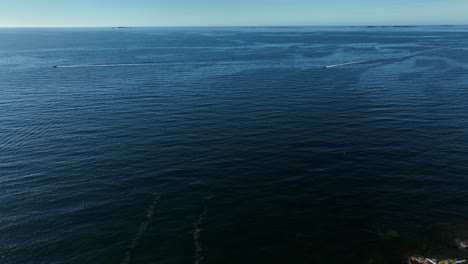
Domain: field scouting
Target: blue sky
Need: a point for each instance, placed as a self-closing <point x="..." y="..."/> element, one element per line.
<point x="65" y="13"/>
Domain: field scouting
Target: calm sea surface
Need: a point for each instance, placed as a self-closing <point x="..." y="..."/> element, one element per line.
<point x="232" y="145"/>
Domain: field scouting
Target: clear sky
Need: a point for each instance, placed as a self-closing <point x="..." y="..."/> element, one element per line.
<point x="65" y="13"/>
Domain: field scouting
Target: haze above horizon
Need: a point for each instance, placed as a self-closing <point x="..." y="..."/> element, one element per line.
<point x="134" y="13"/>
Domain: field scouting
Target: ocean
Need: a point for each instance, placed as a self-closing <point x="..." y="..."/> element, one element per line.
<point x="233" y="145"/>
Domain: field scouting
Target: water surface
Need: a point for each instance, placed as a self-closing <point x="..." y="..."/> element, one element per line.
<point x="232" y="145"/>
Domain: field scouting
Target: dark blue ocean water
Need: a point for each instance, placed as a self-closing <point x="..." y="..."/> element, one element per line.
<point x="232" y="145"/>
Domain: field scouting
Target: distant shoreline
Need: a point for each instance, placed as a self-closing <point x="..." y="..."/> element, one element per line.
<point x="253" y="26"/>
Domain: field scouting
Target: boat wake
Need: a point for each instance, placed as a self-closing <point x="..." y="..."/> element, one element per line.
<point x="388" y="59"/>
<point x="345" y="64"/>
<point x="107" y="65"/>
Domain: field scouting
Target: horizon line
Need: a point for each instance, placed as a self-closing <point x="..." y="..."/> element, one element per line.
<point x="243" y="26"/>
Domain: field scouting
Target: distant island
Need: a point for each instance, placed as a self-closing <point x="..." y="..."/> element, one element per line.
<point x="391" y="26"/>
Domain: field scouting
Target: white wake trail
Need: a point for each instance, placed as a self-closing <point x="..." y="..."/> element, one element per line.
<point x="106" y="65"/>
<point x="345" y="64"/>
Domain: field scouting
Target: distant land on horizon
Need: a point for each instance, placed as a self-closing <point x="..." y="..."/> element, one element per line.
<point x="253" y="26"/>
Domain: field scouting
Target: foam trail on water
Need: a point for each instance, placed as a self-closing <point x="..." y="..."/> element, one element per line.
<point x="197" y="234"/>
<point x="345" y="64"/>
<point x="141" y="230"/>
<point x="197" y="237"/>
<point x="106" y="65"/>
<point x="415" y="54"/>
